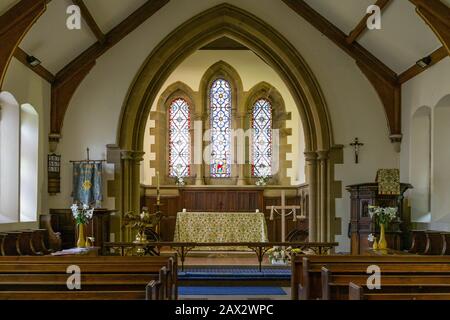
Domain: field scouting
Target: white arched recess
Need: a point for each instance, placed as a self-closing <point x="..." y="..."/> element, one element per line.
<point x="19" y="149"/>
<point x="421" y="165"/>
<point x="440" y="203"/>
<point x="29" y="155"/>
<point x="9" y="158"/>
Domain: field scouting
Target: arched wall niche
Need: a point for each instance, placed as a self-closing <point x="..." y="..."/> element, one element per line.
<point x="277" y="52"/>
<point x="440" y="204"/>
<point x="9" y="158"/>
<point x="421" y="165"/>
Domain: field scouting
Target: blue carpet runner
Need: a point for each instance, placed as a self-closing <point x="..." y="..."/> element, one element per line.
<point x="233" y="272"/>
<point x="230" y="291"/>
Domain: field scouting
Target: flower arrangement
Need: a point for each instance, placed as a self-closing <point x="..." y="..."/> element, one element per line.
<point x="179" y="179"/>
<point x="82" y="214"/>
<point x="381" y="215"/>
<point x="262" y="181"/>
<point x="279" y="255"/>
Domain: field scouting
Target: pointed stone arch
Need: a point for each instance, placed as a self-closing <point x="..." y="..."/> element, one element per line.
<point x="277" y="52"/>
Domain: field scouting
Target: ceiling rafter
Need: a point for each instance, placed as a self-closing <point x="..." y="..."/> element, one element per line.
<point x="22" y="56"/>
<point x="384" y="80"/>
<point x="89" y="19"/>
<point x="14" y="24"/>
<point x="69" y="78"/>
<point x="362" y="25"/>
<point x="437" y="15"/>
<point x="415" y="70"/>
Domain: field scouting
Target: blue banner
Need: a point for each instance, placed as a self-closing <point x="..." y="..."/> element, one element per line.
<point x="87" y="183"/>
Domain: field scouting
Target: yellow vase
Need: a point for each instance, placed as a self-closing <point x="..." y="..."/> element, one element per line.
<point x="375" y="244"/>
<point x="81" y="243"/>
<point x="382" y="244"/>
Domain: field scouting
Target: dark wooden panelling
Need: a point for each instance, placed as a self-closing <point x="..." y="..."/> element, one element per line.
<point x="99" y="226"/>
<point x="224" y="199"/>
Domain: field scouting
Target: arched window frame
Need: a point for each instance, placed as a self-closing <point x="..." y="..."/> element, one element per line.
<point x="172" y="171"/>
<point x="160" y="162"/>
<point x="221" y="70"/>
<point x="266" y="91"/>
<point x="261" y="103"/>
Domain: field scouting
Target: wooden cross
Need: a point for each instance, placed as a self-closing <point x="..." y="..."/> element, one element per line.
<point x="356" y="145"/>
<point x="283" y="214"/>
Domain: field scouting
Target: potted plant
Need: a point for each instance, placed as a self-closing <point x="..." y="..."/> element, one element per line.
<point x="382" y="217"/>
<point x="280" y="256"/>
<point x="82" y="214"/>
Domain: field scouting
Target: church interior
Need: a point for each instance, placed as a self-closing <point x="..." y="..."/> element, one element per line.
<point x="224" y="149"/>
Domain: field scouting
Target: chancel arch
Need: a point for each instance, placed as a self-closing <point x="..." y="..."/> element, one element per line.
<point x="278" y="53"/>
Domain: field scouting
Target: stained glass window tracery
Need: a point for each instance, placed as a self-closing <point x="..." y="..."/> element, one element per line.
<point x="220" y="117"/>
<point x="179" y="139"/>
<point x="262" y="138"/>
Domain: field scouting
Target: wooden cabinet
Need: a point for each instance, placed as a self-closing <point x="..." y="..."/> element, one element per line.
<point x="364" y="195"/>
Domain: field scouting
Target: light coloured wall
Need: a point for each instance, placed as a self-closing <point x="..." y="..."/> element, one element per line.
<point x="431" y="89"/>
<point x="252" y="70"/>
<point x="29" y="88"/>
<point x="355" y="109"/>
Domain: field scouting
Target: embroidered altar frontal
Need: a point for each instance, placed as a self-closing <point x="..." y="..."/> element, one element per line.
<point x="207" y="227"/>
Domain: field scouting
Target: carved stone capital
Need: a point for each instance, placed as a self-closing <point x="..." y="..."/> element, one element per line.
<point x="310" y="156"/>
<point x="322" y="155"/>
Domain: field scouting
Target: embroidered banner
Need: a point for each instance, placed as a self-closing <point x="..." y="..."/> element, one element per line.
<point x="87" y="183"/>
<point x="388" y="181"/>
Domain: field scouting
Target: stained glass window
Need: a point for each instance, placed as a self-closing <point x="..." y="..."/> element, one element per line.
<point x="220" y="115"/>
<point x="179" y="139"/>
<point x="262" y="138"/>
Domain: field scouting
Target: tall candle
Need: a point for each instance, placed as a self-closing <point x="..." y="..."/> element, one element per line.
<point x="157" y="188"/>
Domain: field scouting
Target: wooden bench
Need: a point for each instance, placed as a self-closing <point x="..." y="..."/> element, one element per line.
<point x="401" y="292"/>
<point x="24" y="242"/>
<point x="102" y="278"/>
<point x="327" y="277"/>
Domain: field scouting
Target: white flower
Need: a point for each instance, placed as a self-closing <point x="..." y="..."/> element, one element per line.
<point x="371" y="238"/>
<point x="85" y="206"/>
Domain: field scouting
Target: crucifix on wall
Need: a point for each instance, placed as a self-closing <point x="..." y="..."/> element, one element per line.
<point x="356" y="146"/>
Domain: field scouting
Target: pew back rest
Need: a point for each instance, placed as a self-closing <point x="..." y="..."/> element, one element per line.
<point x="125" y="276"/>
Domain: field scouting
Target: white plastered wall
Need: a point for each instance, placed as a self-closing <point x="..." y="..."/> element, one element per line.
<point x="431" y="88"/>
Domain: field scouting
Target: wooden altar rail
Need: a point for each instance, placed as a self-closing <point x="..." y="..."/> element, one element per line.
<point x="183" y="248"/>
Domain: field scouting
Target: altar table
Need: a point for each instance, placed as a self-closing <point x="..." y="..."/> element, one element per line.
<point x="207" y="227"/>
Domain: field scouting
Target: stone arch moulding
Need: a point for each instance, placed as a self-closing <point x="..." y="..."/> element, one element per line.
<point x="277" y="52"/>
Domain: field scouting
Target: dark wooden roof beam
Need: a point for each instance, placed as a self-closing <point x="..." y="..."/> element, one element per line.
<point x="89" y="19"/>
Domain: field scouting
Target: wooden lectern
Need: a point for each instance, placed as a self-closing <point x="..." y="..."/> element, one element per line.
<point x="364" y="195"/>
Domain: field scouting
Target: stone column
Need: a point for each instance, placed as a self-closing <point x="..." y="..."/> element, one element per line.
<point x="323" y="185"/>
<point x="130" y="197"/>
<point x="240" y="149"/>
<point x="311" y="179"/>
<point x="197" y="150"/>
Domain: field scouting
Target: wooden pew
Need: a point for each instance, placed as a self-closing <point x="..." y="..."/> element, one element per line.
<point x="102" y="278"/>
<point x="357" y="292"/>
<point x="335" y="285"/>
<point x="307" y="282"/>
